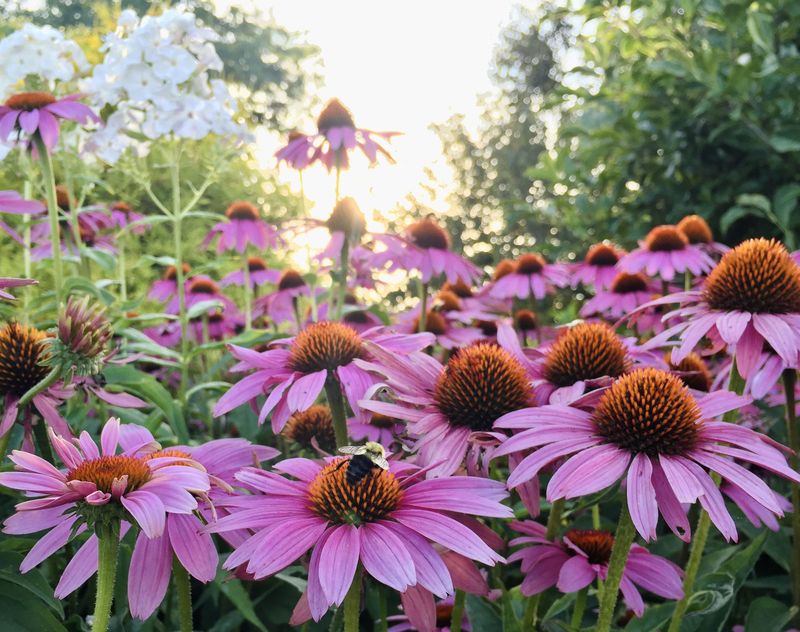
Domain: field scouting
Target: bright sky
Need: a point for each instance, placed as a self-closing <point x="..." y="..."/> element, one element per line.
<point x="397" y="66"/>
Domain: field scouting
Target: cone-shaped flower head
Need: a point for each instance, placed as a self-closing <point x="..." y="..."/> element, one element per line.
<point x="83" y="334"/>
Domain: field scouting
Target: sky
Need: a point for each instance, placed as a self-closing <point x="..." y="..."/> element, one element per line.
<point x="398" y="66"/>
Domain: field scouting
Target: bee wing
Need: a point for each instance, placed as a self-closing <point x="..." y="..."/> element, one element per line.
<point x="352" y="449"/>
<point x="382" y="463"/>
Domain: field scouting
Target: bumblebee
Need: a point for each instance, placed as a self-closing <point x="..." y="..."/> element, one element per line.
<point x="364" y="458"/>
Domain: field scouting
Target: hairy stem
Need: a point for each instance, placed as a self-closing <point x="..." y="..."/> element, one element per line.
<point x="352" y="603"/>
<point x="183" y="590"/>
<point x="107" y="554"/>
<point x="458" y="611"/>
<point x="623" y="538"/>
<point x="248" y="298"/>
<point x="579" y="609"/>
<point x="789" y="383"/>
<point x="333" y="391"/>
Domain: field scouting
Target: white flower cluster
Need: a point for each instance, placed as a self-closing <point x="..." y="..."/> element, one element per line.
<point x="38" y="50"/>
<point x="155" y="75"/>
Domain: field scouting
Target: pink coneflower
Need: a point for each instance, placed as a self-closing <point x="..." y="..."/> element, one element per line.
<point x="244" y="227"/>
<point x="292" y="373"/>
<point x="166" y="288"/>
<point x="217" y="324"/>
<point x="6" y="282"/>
<point x="32" y="112"/>
<point x="581" y="557"/>
<point x="699" y="233"/>
<point x="599" y="266"/>
<point x="532" y="276"/>
<point x="583" y="359"/>
<point x="425" y="247"/>
<point x="146" y="490"/>
<point x="665" y="252"/>
<point x="282" y="305"/>
<point x="337" y="136"/>
<point x="752" y="297"/>
<point x="387" y="523"/>
<point x="346" y="223"/>
<point x="200" y="289"/>
<point x="12" y="202"/>
<point x="445" y="321"/>
<point x="122" y="216"/>
<point x="312" y="429"/>
<point x="626" y="294"/>
<point x="448" y="406"/>
<point x="22" y="357"/>
<point x="438" y="619"/>
<point x="259" y="275"/>
<point x="648" y="427"/>
<point x="379" y="428"/>
<point x="355" y="315"/>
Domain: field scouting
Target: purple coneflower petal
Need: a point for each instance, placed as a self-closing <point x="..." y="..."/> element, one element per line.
<point x="575" y="573"/>
<point x="385" y="557"/>
<point x="642" y="497"/>
<point x="587" y="472"/>
<point x="148" y="577"/>
<point x="338" y="561"/>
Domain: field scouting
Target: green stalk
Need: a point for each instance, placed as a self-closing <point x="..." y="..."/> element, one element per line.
<point x="345" y="266"/>
<point x="383" y="610"/>
<point x="37" y="388"/>
<point x="177" y="232"/>
<point x="736" y="385"/>
<point x="107" y="551"/>
<point x="4" y="444"/>
<point x="789" y="382"/>
<point x="352" y="603"/>
<point x="579" y="609"/>
<point x="623" y="538"/>
<point x="248" y="299"/>
<point x="423" y="306"/>
<point x="553" y="523"/>
<point x="338" y="179"/>
<point x="458" y="611"/>
<point x="27" y="193"/>
<point x="52" y="213"/>
<point x="333" y="392"/>
<point x="183" y="590"/>
<point x="123" y="285"/>
<point x="687" y="281"/>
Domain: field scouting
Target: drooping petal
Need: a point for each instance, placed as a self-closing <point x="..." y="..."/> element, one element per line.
<point x="148" y="578"/>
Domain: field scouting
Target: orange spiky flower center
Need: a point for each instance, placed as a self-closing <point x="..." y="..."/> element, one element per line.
<point x="376" y="496"/>
<point x="242" y="211"/>
<point x="324" y="345"/>
<point x="335" y="114"/>
<point x="602" y="255"/>
<point x="29" y="101"/>
<point x="256" y="264"/>
<point x="757" y="276"/>
<point x="696" y="229"/>
<point x="503" y="268"/>
<point x="665" y="239"/>
<point x="625" y="283"/>
<point x="290" y="279"/>
<point x="203" y="286"/>
<point x="171" y="273"/>
<point x="427" y="233"/>
<point x="525" y="320"/>
<point x="459" y="288"/>
<point x="596" y="544"/>
<point x="347" y="218"/>
<point x="22" y="353"/>
<point x="648" y="411"/>
<point x="584" y="352"/>
<point x="532" y="263"/>
<point x="481" y="383"/>
<point x="435" y="323"/>
<point x="448" y="301"/>
<point x="313" y="423"/>
<point x="693" y="371"/>
<point x="104" y="470"/>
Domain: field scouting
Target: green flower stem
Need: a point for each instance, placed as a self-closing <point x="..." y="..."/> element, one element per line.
<point x="699" y="538"/>
<point x="352" y="603"/>
<point x="687" y="281"/>
<point x="248" y="297"/>
<point x="123" y="284"/>
<point x="342" y="290"/>
<point x="32" y="392"/>
<point x="596" y="517"/>
<point x="27" y="193"/>
<point x="789" y="383"/>
<point x="423" y="306"/>
<point x="700" y="535"/>
<point x="338" y="180"/>
<point x="183" y="590"/>
<point x="333" y="391"/>
<point x="52" y="213"/>
<point x="579" y="609"/>
<point x="553" y="523"/>
<point x="458" y="611"/>
<point x="177" y="233"/>
<point x="623" y="538"/>
<point x="107" y="550"/>
<point x="383" y="610"/>
<point x="4" y="444"/>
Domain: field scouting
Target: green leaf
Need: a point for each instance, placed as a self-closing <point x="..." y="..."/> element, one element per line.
<point x="151" y="390"/>
<point x="784" y="144"/>
<point x="33" y="581"/>
<point x="202" y="308"/>
<point x="105" y="260"/>
<point x="784" y="203"/>
<point x="734" y="214"/>
<point x="759" y="25"/>
<point x="234" y="591"/>
<point x="768" y="615"/>
<point x="482" y="615"/>
<point x="21" y="611"/>
<point x="654" y="618"/>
